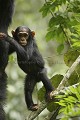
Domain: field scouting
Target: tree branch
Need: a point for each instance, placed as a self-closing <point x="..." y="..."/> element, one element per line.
<point x="61" y="86"/>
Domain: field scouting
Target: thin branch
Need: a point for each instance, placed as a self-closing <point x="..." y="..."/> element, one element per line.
<point x="51" y="114"/>
<point x="55" y="114"/>
<point x="61" y="86"/>
<point x="33" y="115"/>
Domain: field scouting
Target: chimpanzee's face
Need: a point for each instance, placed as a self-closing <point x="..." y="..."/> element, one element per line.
<point x="23" y="36"/>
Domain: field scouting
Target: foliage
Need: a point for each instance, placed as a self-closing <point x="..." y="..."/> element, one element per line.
<point x="70" y="103"/>
<point x="70" y="56"/>
<point x="64" y="25"/>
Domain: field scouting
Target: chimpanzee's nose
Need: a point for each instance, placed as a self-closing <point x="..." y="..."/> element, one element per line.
<point x="22" y="39"/>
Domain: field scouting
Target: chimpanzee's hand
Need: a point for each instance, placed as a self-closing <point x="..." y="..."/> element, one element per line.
<point x="2" y="36"/>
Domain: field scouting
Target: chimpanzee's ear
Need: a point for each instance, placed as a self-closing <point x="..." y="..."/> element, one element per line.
<point x="33" y="33"/>
<point x="13" y="32"/>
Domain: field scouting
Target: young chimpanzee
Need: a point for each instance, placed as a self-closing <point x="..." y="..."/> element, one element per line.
<point x="31" y="62"/>
<point x="6" y="12"/>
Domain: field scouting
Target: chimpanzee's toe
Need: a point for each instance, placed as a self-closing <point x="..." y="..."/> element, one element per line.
<point x="33" y="107"/>
<point x="49" y="96"/>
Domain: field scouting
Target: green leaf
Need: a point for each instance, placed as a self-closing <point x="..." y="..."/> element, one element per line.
<point x="55" y="80"/>
<point x="73" y="78"/>
<point x="70" y="56"/>
<point x="61" y="37"/>
<point x="60" y="96"/>
<point x="62" y="110"/>
<point x="60" y="48"/>
<point x="50" y="35"/>
<point x="70" y="99"/>
<point x="62" y="103"/>
<point x="53" y="21"/>
<point x="76" y="45"/>
<point x="64" y="1"/>
<point x="78" y="89"/>
<point x="52" y="106"/>
<point x="45" y="10"/>
<point x="41" y="94"/>
<point x="73" y="90"/>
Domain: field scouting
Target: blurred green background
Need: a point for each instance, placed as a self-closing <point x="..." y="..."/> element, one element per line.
<point x="27" y="13"/>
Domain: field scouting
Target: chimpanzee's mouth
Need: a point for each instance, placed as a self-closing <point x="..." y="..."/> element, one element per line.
<point x="23" y="43"/>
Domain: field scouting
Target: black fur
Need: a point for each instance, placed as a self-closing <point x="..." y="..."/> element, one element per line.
<point x="32" y="63"/>
<point x="6" y="11"/>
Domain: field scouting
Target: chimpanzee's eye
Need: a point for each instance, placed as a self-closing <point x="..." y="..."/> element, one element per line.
<point x="23" y="35"/>
<point x="20" y="35"/>
<point x="26" y="35"/>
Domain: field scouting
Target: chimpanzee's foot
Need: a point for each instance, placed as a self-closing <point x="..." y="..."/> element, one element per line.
<point x="49" y="96"/>
<point x="2" y="35"/>
<point x="33" y="107"/>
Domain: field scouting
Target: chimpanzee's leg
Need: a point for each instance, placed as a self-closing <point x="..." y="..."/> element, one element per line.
<point x="3" y="86"/>
<point x="29" y="87"/>
<point x="47" y="84"/>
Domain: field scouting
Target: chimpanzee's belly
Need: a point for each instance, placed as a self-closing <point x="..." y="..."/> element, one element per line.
<point x="28" y="67"/>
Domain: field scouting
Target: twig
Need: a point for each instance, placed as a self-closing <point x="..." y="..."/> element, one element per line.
<point x="55" y="114"/>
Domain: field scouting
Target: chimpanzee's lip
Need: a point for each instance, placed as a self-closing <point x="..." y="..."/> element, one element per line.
<point x="23" y="43"/>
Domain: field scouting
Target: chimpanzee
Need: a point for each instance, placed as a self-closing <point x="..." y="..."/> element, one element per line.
<point x="6" y="12"/>
<point x="31" y="62"/>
